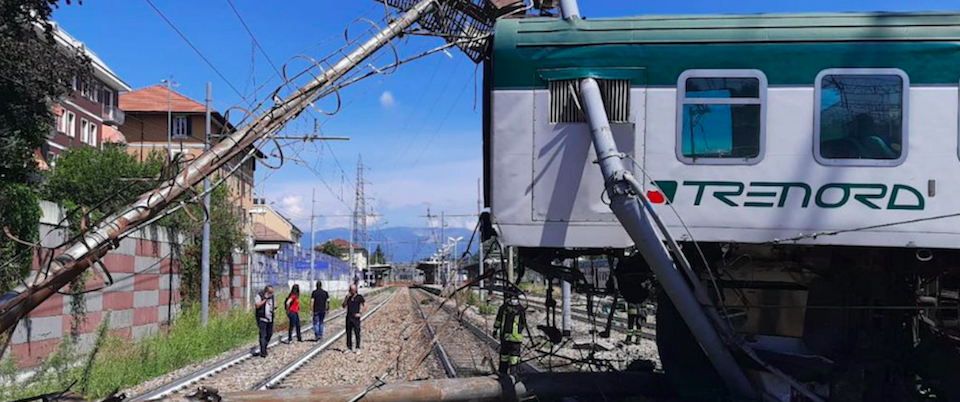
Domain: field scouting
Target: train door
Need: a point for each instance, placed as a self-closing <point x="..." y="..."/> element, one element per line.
<point x="567" y="185"/>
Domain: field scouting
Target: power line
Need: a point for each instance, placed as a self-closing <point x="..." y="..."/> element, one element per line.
<point x="433" y="107"/>
<point x="442" y="122"/>
<point x="195" y="49"/>
<point x="416" y="107"/>
<point x="279" y="73"/>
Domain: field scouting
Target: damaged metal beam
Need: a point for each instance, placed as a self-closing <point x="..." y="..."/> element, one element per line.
<point x="638" y="225"/>
<point x="81" y="254"/>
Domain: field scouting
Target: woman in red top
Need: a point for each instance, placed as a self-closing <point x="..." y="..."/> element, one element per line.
<point x="293" y="313"/>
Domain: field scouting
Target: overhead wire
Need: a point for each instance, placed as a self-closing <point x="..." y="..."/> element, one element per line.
<point x="433" y="107"/>
<point x="195" y="49"/>
<point x="442" y="122"/>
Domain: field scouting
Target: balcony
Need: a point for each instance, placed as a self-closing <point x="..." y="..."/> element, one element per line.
<point x="113" y="115"/>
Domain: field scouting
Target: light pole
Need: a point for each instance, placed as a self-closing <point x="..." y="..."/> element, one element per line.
<point x="205" y="246"/>
<point x="169" y="83"/>
<point x="313" y="244"/>
<point x="456" y="258"/>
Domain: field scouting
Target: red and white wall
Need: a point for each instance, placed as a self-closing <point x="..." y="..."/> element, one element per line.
<point x="144" y="296"/>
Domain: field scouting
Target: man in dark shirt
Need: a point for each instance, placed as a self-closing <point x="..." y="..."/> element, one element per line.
<point x="265" y="304"/>
<point x="321" y="304"/>
<point x="354" y="303"/>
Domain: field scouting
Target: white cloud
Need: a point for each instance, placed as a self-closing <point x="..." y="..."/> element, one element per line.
<point x="293" y="205"/>
<point x="386" y="99"/>
<point x="401" y="196"/>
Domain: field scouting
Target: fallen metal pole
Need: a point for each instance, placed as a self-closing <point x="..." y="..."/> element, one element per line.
<point x="637" y="224"/>
<point x="569" y="9"/>
<point x="544" y="386"/>
<point x="98" y="241"/>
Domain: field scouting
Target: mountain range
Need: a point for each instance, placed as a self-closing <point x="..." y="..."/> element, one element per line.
<point x="400" y="244"/>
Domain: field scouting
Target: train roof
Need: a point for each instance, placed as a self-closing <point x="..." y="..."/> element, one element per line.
<point x="790" y="48"/>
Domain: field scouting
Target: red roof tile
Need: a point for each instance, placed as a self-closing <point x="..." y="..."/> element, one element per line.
<point x="154" y="99"/>
<point x="343" y="244"/>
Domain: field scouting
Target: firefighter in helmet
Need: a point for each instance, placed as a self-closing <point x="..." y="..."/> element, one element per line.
<point x="635" y="318"/>
<point x="510" y="324"/>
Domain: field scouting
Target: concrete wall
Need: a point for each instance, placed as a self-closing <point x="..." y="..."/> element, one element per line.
<point x="144" y="296"/>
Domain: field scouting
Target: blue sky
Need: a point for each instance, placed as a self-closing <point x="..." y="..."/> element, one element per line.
<point x="418" y="129"/>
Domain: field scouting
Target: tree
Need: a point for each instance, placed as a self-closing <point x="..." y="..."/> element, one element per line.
<point x="226" y="237"/>
<point x="378" y="256"/>
<point x="330" y="248"/>
<point x="98" y="182"/>
<point x="34" y="72"/>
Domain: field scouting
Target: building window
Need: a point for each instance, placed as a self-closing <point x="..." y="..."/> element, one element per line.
<point x="181" y="127"/>
<point x="721" y="116"/>
<point x="84" y="130"/>
<point x="861" y="117"/>
<point x="92" y="136"/>
<point x="62" y="121"/>
<point x="108" y="97"/>
<point x="71" y="122"/>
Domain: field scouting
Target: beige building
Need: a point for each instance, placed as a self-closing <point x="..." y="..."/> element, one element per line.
<point x="271" y="230"/>
<point x="146" y="131"/>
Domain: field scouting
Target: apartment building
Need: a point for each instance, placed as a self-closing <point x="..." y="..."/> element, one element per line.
<point x="89" y="115"/>
<point x="161" y="120"/>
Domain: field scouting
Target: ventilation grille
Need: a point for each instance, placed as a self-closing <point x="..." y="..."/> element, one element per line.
<point x="564" y="98"/>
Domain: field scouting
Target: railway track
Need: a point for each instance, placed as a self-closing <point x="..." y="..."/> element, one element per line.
<point x="461" y="352"/>
<point x="463" y="341"/>
<point x="244" y="371"/>
<point x="619" y="324"/>
<point x="292" y="370"/>
<point x="393" y="350"/>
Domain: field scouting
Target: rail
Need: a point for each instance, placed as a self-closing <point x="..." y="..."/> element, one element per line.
<point x="525" y="367"/>
<point x="619" y="323"/>
<point x="185" y="381"/>
<point x="285" y="372"/>
<point x="441" y="353"/>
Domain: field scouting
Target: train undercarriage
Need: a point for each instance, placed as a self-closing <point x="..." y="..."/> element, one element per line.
<point x="848" y="323"/>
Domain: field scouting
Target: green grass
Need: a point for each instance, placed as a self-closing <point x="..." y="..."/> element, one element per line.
<point x="534" y="288"/>
<point x="472" y="298"/>
<point x="122" y="363"/>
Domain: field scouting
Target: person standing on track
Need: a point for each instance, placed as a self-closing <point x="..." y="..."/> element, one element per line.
<point x="510" y="324"/>
<point x="355" y="307"/>
<point x="292" y="305"/>
<point x="265" y="304"/>
<point x="321" y="304"/>
<point x="634" y="320"/>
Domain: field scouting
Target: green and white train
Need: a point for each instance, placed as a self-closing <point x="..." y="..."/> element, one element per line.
<point x="814" y="159"/>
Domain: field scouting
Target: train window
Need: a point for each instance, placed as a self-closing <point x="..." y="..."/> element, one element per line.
<point x="861" y="117"/>
<point x="721" y="116"/>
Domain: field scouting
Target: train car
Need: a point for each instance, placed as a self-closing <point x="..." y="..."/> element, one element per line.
<point x="808" y="165"/>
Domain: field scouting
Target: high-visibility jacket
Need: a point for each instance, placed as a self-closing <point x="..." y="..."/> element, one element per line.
<point x="511" y="322"/>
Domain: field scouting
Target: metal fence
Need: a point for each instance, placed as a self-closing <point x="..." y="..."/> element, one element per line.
<point x="291" y="266"/>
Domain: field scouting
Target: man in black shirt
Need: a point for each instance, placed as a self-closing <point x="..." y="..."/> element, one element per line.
<point x="321" y="304"/>
<point x="354" y="303"/>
